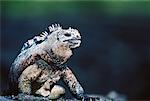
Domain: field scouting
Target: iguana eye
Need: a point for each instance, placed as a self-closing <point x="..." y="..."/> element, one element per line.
<point x="67" y="34"/>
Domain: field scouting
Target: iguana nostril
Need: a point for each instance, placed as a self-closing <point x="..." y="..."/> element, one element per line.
<point x="78" y="36"/>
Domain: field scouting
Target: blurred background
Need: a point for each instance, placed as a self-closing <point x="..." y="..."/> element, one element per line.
<point x="115" y="50"/>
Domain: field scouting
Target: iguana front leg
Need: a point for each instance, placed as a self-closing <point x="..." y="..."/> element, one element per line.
<point x="72" y="83"/>
<point x="30" y="74"/>
<point x="27" y="76"/>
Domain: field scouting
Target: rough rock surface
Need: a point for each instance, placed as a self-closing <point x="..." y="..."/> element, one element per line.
<point x="35" y="98"/>
<point x="111" y="96"/>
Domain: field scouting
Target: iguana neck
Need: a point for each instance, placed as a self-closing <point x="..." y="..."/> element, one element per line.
<point x="59" y="53"/>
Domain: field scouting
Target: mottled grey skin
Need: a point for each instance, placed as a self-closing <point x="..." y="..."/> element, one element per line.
<point x="40" y="65"/>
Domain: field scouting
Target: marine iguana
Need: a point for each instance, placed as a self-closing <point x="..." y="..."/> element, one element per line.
<point x="40" y="64"/>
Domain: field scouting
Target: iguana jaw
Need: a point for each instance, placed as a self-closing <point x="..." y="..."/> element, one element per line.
<point x="62" y="51"/>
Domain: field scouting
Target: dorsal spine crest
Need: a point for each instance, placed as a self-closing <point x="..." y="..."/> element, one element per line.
<point x="41" y="37"/>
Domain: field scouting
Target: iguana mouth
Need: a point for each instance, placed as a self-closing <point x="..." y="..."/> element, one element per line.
<point x="73" y="42"/>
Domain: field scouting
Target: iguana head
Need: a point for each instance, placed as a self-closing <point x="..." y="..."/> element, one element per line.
<point x="70" y="37"/>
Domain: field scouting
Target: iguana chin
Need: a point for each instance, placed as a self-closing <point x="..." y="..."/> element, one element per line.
<point x="40" y="64"/>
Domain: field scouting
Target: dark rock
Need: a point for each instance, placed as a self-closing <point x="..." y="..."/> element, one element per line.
<point x="21" y="97"/>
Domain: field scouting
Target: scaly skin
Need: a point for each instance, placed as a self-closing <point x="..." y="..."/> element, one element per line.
<point x="40" y="65"/>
